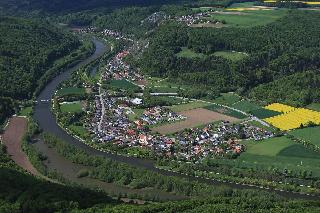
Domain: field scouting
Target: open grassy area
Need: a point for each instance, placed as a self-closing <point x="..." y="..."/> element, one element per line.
<point x="250" y="18"/>
<point x="280" y="152"/>
<point x="123" y="84"/>
<point x="246" y="106"/>
<point x="71" y="107"/>
<point x="225" y="111"/>
<point x="71" y="91"/>
<point x="258" y="124"/>
<point x="79" y="130"/>
<point x="314" y="106"/>
<point x="187" y="53"/>
<point x="263" y="113"/>
<point x="227" y="99"/>
<point x="188" y="106"/>
<point x="25" y="111"/>
<point x="311" y="134"/>
<point x="231" y="55"/>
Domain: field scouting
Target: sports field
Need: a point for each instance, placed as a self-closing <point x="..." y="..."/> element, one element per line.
<point x="71" y="107"/>
<point x="71" y="91"/>
<point x="311" y="134"/>
<point x="195" y="117"/>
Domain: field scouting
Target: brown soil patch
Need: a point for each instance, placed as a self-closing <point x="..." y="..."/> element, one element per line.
<point x="12" y="140"/>
<point x="195" y="117"/>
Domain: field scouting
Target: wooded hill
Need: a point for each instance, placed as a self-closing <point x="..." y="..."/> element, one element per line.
<point x="285" y="47"/>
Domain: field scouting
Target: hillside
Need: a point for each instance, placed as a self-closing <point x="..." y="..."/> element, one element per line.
<point x="28" y="49"/>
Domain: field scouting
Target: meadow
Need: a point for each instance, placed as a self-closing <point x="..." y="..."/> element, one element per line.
<point x="225" y="111"/>
<point x="314" y="106"/>
<point x="25" y="111"/>
<point x="188" y="106"/>
<point x="227" y="99"/>
<point x="123" y="84"/>
<point x="246" y="106"/>
<point x="187" y="53"/>
<point x="231" y="55"/>
<point x="311" y="134"/>
<point x="71" y="91"/>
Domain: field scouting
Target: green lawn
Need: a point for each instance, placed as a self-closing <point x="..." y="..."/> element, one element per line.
<point x="227" y="99"/>
<point x="80" y="131"/>
<point x="225" y="111"/>
<point x="137" y="114"/>
<point x="71" y="107"/>
<point x="314" y="106"/>
<point x="311" y="134"/>
<point x="250" y="18"/>
<point x="71" y="91"/>
<point x="233" y="56"/>
<point x="188" y="106"/>
<point x="25" y="111"/>
<point x="264" y="113"/>
<point x="123" y="84"/>
<point x="244" y="4"/>
<point x="187" y="53"/>
<point x="258" y="124"/>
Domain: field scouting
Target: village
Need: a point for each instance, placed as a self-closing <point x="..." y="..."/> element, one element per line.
<point x="110" y="123"/>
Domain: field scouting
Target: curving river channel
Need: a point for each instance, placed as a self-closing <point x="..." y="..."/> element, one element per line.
<point x="47" y="122"/>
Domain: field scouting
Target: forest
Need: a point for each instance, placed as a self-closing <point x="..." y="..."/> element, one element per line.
<point x="276" y="50"/>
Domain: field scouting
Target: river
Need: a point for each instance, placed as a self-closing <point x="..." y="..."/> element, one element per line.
<point x="47" y="122"/>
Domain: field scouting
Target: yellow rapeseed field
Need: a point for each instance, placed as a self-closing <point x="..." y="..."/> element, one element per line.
<point x="291" y="118"/>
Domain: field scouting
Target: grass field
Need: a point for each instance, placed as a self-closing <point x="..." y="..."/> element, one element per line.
<point x="71" y="107"/>
<point x="188" y="106"/>
<point x="79" y="130"/>
<point x="230" y="55"/>
<point x="187" y="53"/>
<point x="258" y="124"/>
<point x="25" y="111"/>
<point x="71" y="91"/>
<point x="311" y="134"/>
<point x="164" y="89"/>
<point x="282" y="153"/>
<point x="123" y="84"/>
<point x="250" y="18"/>
<point x="227" y="99"/>
<point x="225" y="111"/>
<point x="263" y="113"/>
<point x="314" y="106"/>
<point x="246" y="106"/>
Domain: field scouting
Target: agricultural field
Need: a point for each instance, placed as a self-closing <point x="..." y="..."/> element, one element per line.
<point x="188" y="106"/>
<point x="71" y="91"/>
<point x="195" y="117"/>
<point x="282" y="153"/>
<point x="227" y="99"/>
<point x="231" y="55"/>
<point x="263" y="113"/>
<point x="314" y="106"/>
<point x="311" y="134"/>
<point x="187" y="53"/>
<point x="123" y="85"/>
<point x="246" y="106"/>
<point x="293" y="117"/>
<point x="258" y="124"/>
<point x="225" y="111"/>
<point x="238" y="17"/>
<point x="71" y="107"/>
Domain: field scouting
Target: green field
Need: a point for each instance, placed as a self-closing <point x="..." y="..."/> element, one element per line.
<point x="233" y="56"/>
<point x="187" y="53"/>
<point x="250" y="18"/>
<point x="123" y="84"/>
<point x="71" y="91"/>
<point x="258" y="124"/>
<point x="280" y="152"/>
<point x="188" y="106"/>
<point x="225" y="111"/>
<point x="246" y="106"/>
<point x="80" y="131"/>
<point x="71" y="107"/>
<point x="25" y="111"/>
<point x="264" y="113"/>
<point x="314" y="106"/>
<point x="311" y="134"/>
<point x="227" y="99"/>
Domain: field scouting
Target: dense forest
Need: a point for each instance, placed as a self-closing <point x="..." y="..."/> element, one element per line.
<point x="279" y="49"/>
<point x="28" y="49"/>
